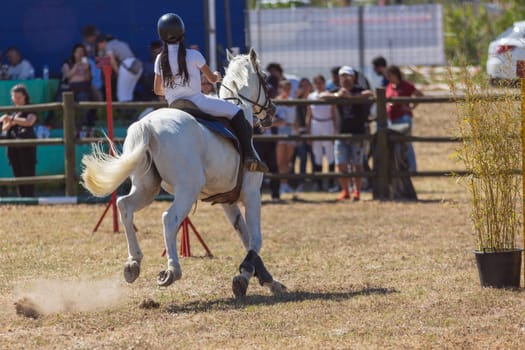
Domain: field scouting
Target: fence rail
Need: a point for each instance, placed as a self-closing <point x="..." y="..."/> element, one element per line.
<point x="381" y="170"/>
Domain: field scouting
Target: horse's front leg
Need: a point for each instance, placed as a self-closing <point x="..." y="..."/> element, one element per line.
<point x="240" y="282"/>
<point x="252" y="265"/>
<point x="171" y="220"/>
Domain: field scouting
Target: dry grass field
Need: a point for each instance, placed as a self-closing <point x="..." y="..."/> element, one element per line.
<point x="363" y="275"/>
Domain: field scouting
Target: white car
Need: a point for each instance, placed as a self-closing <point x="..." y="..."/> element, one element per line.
<point x="505" y="51"/>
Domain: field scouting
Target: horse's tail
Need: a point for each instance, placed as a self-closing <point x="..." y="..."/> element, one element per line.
<point x="103" y="173"/>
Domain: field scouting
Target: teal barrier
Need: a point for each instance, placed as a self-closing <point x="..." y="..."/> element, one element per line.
<point x="50" y="159"/>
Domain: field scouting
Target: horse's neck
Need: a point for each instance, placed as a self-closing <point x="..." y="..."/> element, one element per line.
<point x="243" y="104"/>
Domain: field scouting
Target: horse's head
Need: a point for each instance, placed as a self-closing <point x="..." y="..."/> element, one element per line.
<point x="245" y="83"/>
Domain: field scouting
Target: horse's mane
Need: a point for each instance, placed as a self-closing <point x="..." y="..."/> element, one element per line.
<point x="238" y="69"/>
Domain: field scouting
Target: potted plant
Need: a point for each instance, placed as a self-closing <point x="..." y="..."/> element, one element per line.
<point x="491" y="153"/>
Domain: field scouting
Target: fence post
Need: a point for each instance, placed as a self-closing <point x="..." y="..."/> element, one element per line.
<point x="381" y="156"/>
<point x="69" y="143"/>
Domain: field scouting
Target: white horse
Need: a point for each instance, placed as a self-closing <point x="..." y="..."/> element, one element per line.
<point x="168" y="148"/>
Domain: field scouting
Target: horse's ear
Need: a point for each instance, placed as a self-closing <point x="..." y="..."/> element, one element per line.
<point x="253" y="55"/>
<point x="229" y="55"/>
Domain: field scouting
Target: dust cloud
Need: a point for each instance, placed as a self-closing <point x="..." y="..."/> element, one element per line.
<point x="54" y="296"/>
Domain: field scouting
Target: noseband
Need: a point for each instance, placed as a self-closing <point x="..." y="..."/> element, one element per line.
<point x="262" y="89"/>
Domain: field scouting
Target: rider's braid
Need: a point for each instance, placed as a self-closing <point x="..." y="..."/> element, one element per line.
<point x="167" y="74"/>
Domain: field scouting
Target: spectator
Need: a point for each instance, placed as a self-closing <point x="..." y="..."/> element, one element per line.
<point x="333" y="84"/>
<point x="352" y="119"/>
<point x="276" y="70"/>
<point x="273" y="85"/>
<point x="145" y="85"/>
<point x="267" y="150"/>
<point x="361" y="80"/>
<point x="19" y="125"/>
<point x="401" y="113"/>
<point x="89" y="39"/>
<point x="321" y="121"/>
<point x="3" y="68"/>
<point x="286" y="122"/>
<point x="303" y="149"/>
<point x="76" y="77"/>
<point x="19" y="68"/>
<point x="380" y="68"/>
<point x="125" y="65"/>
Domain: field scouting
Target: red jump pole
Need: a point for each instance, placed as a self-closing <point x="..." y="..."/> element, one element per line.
<point x="104" y="63"/>
<point x="185" y="240"/>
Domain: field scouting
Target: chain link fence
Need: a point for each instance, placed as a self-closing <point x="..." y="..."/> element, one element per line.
<point x="310" y="40"/>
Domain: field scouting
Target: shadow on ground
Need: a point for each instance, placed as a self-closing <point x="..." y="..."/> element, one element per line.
<point x="290" y="297"/>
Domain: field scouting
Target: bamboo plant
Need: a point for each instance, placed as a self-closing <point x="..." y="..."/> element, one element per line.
<point x="489" y="123"/>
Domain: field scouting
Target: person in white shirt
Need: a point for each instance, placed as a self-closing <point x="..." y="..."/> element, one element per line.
<point x="125" y="65"/>
<point x="320" y="120"/>
<point x="177" y="76"/>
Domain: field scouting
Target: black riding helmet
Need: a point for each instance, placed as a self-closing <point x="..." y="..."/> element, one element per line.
<point x="170" y="28"/>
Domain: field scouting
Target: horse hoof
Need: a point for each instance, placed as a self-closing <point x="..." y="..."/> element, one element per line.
<point x="239" y="286"/>
<point x="277" y="288"/>
<point x="131" y="271"/>
<point x="167" y="277"/>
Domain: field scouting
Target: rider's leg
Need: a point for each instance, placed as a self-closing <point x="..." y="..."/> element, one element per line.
<point x="242" y="128"/>
<point x="243" y="131"/>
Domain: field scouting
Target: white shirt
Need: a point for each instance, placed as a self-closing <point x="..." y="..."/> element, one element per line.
<point x="194" y="61"/>
<point x="320" y="112"/>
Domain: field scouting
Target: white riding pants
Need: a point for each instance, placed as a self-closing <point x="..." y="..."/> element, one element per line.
<point x="214" y="106"/>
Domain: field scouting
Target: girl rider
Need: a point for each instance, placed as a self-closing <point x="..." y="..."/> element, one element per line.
<point x="177" y="76"/>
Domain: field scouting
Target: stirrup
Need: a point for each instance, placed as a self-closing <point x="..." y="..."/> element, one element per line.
<point x="255" y="165"/>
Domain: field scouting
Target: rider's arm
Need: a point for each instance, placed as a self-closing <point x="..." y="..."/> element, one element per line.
<point x="212" y="77"/>
<point x="158" y="89"/>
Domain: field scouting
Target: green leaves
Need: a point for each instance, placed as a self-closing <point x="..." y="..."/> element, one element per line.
<point x="491" y="151"/>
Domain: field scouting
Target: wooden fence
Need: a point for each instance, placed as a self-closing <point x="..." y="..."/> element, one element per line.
<point x="380" y="171"/>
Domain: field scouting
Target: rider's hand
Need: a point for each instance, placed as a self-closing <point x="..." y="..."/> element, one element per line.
<point x="218" y="75"/>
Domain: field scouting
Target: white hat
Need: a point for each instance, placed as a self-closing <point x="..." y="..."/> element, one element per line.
<point x="346" y="70"/>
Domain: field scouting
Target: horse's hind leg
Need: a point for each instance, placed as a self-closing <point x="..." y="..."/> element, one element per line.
<point x="143" y="191"/>
<point x="184" y="197"/>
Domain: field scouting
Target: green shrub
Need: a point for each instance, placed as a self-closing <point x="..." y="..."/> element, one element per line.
<point x="491" y="151"/>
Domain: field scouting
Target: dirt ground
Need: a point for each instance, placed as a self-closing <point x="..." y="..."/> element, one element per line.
<point x="361" y="275"/>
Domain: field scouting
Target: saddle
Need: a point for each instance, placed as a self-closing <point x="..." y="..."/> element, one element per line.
<point x="221" y="127"/>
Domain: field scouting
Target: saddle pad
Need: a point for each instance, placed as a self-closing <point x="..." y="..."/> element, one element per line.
<point x="218" y="128"/>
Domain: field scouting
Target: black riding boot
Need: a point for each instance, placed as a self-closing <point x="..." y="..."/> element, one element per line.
<point x="243" y="131"/>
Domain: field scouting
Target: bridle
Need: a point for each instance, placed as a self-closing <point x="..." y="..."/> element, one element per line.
<point x="268" y="106"/>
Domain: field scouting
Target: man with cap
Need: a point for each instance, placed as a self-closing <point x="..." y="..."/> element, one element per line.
<point x="352" y="119"/>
